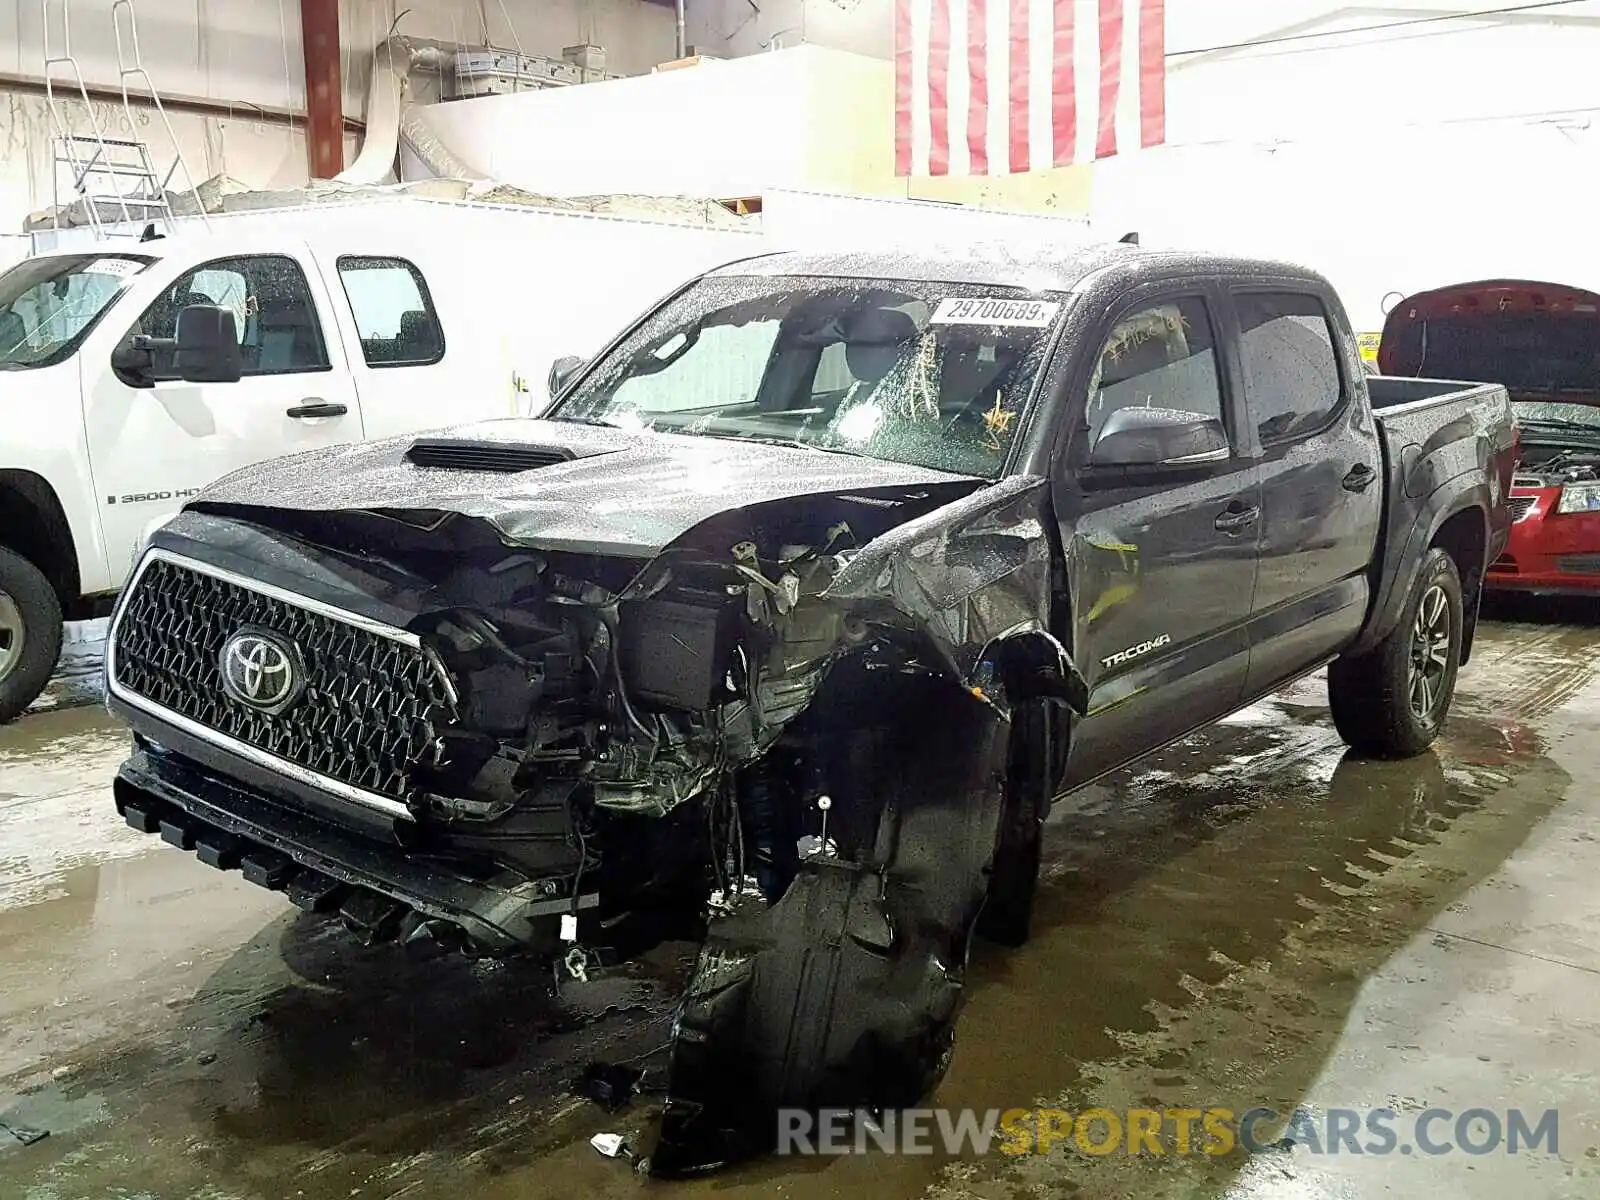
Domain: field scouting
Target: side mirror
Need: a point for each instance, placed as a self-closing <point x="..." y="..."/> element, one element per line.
<point x="208" y="345"/>
<point x="562" y="372"/>
<point x="1149" y="437"/>
<point x="133" y="361"/>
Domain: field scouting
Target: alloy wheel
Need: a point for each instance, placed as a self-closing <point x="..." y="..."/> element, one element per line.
<point x="1430" y="654"/>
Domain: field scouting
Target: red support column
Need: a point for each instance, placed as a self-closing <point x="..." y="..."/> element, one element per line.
<point x="319" y="37"/>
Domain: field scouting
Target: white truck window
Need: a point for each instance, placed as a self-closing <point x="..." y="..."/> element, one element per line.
<point x="393" y="311"/>
<point x="279" y="331"/>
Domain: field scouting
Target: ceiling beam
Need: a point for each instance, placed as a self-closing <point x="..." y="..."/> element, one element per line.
<point x="319" y="40"/>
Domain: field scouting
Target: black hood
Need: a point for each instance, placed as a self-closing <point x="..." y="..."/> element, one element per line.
<point x="586" y="488"/>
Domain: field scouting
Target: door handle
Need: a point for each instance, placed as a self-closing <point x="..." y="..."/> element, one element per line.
<point x="316" y="408"/>
<point x="1231" y="520"/>
<point x="1359" y="477"/>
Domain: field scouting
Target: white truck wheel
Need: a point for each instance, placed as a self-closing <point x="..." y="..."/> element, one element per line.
<point x="30" y="633"/>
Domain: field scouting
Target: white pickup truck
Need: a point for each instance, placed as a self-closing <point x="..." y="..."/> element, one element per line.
<point x="353" y="322"/>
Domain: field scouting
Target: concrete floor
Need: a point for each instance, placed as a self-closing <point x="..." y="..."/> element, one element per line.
<point x="1251" y="919"/>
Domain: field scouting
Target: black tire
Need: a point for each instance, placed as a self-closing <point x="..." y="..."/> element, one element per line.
<point x="1007" y="916"/>
<point x="845" y="993"/>
<point x="27" y="594"/>
<point x="1392" y="701"/>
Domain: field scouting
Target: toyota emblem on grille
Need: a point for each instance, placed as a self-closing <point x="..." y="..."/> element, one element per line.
<point x="261" y="669"/>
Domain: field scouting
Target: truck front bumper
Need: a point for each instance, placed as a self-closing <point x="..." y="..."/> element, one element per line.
<point x="381" y="890"/>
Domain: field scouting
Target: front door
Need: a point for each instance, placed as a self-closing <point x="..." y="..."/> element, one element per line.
<point x="153" y="447"/>
<point x="1161" y="561"/>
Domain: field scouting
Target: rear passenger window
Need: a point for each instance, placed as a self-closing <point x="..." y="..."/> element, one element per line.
<point x="393" y="311"/>
<point x="1162" y="356"/>
<point x="1291" y="370"/>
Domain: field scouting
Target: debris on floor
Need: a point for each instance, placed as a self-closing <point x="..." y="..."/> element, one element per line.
<point x="610" y="1085"/>
<point x="25" y="1134"/>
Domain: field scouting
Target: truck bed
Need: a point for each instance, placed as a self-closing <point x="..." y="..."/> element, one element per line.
<point x="1432" y="432"/>
<point x="1392" y="392"/>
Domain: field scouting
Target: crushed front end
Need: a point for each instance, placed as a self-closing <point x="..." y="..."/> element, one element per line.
<point x="468" y="744"/>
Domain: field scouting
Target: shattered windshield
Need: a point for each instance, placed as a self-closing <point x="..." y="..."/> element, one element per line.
<point x="49" y="305"/>
<point x="929" y="374"/>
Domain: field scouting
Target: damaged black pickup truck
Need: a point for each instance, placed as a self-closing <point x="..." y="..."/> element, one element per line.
<point x="784" y="625"/>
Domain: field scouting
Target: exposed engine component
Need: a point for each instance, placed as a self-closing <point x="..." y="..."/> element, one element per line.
<point x="1551" y="466"/>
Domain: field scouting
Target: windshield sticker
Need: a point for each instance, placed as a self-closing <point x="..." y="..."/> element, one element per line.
<point x="1025" y="314"/>
<point x="121" y="268"/>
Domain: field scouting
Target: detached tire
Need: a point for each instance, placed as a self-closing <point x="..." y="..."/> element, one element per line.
<point x="30" y="633"/>
<point x="845" y="993"/>
<point x="1392" y="701"/>
<point x="1007" y="916"/>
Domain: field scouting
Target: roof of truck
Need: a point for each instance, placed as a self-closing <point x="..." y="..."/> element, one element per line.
<point x="1040" y="267"/>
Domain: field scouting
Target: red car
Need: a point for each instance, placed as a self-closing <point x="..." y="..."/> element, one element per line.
<point x="1542" y="341"/>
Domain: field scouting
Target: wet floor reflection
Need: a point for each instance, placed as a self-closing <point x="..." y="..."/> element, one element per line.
<point x="77" y="679"/>
<point x="1206" y="923"/>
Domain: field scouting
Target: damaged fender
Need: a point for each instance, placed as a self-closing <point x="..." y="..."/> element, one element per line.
<point x="975" y="576"/>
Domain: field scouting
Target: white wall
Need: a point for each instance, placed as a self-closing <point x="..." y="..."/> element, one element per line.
<point x="1373" y="156"/>
<point x="808" y="117"/>
<point x="636" y="35"/>
<point x="1368" y="80"/>
<point x="719" y="130"/>
<point x="732" y="28"/>
<point x="247" y="53"/>
<point x="1420" y="208"/>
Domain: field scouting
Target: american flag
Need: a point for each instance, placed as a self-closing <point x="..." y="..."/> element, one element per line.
<point x="993" y="87"/>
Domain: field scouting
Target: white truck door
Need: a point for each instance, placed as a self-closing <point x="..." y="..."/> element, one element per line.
<point x="386" y="310"/>
<point x="154" y="446"/>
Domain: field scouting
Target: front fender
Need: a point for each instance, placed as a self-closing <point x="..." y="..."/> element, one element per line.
<point x="974" y="577"/>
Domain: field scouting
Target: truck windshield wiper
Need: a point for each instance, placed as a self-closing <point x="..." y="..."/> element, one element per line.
<point x="792" y="443"/>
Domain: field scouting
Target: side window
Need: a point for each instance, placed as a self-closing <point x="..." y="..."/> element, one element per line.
<point x="1291" y="369"/>
<point x="1162" y="356"/>
<point x="393" y="311"/>
<point x="279" y="333"/>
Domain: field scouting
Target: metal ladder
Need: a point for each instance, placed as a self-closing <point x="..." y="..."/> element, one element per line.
<point x="129" y="183"/>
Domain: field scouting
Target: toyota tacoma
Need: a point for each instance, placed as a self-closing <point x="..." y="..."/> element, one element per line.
<point x="785" y="623"/>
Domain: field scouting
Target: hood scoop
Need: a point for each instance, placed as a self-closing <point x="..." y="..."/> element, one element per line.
<point x="503" y="458"/>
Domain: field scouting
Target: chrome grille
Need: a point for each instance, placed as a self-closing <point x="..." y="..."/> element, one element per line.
<point x="372" y="703"/>
<point x="1520" y="506"/>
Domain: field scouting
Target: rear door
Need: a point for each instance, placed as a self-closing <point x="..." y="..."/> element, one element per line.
<point x="1321" y="478"/>
<point x="1161" y="561"/>
<point x="153" y="447"/>
<point x="399" y="354"/>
